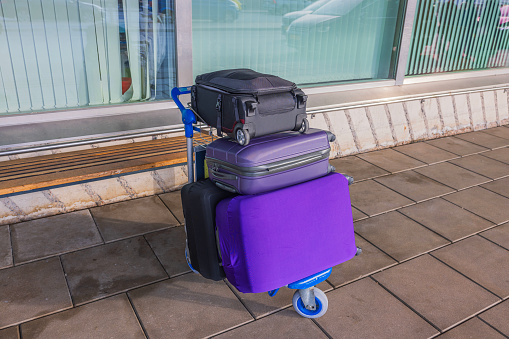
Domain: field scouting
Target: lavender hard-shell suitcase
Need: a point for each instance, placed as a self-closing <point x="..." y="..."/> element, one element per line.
<point x="273" y="239"/>
<point x="269" y="162"/>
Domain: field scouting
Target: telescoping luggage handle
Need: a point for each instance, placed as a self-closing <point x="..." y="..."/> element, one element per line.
<point x="188" y="118"/>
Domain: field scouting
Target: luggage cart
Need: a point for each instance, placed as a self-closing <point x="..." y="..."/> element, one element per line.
<point x="308" y="300"/>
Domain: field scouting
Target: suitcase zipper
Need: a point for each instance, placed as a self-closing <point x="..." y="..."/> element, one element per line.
<point x="271" y="168"/>
<point x="228" y="90"/>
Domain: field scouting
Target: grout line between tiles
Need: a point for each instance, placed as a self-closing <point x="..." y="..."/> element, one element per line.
<point x="120" y="292"/>
<point x="378" y="248"/>
<point x="96" y="245"/>
<point x="322" y="329"/>
<point x="234" y="327"/>
<point x="472" y="316"/>
<point x="168" y="208"/>
<point x="66" y="281"/>
<point x="464" y="275"/>
<point x="96" y="225"/>
<point x="20" y="335"/>
<point x="507" y="249"/>
<point x="10" y="241"/>
<point x="404" y="303"/>
<point x="493" y="327"/>
<point x="500" y="195"/>
<point x="426" y="227"/>
<point x="136" y="314"/>
<point x="240" y="299"/>
<point x="155" y="255"/>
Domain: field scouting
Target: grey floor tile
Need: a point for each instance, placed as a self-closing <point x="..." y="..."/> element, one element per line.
<point x="499" y="235"/>
<point x="452" y="175"/>
<point x="447" y="219"/>
<point x="188" y="306"/>
<point x="112" y="268"/>
<point x="108" y="318"/>
<point x="261" y="304"/>
<point x="173" y="201"/>
<point x="500" y="154"/>
<point x="425" y="152"/>
<point x="483" y="139"/>
<point x="357" y="214"/>
<point x="5" y="247"/>
<point x="457" y="146"/>
<point x="370" y="260"/>
<point x="484" y="166"/>
<point x="390" y="160"/>
<point x="169" y="246"/>
<point x="363" y="309"/>
<point x="482" y="202"/>
<point x="284" y="324"/>
<point x="32" y="290"/>
<point x="501" y="132"/>
<point x="398" y="236"/>
<point x="372" y="198"/>
<point x="497" y="317"/>
<point x="133" y="217"/>
<point x="472" y="329"/>
<point x="466" y="255"/>
<point x="10" y="333"/>
<point x="357" y="168"/>
<point x="437" y="292"/>
<point x="42" y="238"/>
<point x="414" y="185"/>
<point x="500" y="186"/>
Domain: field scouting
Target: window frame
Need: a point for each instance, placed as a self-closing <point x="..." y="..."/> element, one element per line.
<point x="184" y="70"/>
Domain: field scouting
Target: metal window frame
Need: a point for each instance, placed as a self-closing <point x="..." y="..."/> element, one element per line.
<point x="184" y="69"/>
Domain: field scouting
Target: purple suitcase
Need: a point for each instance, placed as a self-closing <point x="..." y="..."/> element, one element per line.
<point x="270" y="240"/>
<point x="269" y="162"/>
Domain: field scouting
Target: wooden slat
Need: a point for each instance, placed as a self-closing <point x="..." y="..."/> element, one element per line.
<point x="64" y="168"/>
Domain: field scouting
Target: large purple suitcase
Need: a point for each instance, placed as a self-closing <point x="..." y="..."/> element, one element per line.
<point x="269" y="162"/>
<point x="270" y="240"/>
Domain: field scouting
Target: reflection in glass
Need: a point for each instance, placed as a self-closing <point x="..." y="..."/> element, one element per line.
<point x="73" y="53"/>
<point x="459" y="35"/>
<point x="308" y="42"/>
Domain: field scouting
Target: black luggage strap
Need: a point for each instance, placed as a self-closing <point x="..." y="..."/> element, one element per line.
<point x="193" y="97"/>
<point x="219" y="117"/>
<point x="236" y="109"/>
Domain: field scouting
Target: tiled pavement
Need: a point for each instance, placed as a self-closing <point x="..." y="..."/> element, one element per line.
<point x="432" y="219"/>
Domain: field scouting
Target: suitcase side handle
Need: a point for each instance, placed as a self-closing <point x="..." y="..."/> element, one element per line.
<point x="223" y="176"/>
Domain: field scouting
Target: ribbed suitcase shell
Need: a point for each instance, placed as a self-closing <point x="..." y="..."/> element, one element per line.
<point x="269" y="162"/>
<point x="273" y="239"/>
<point x="199" y="200"/>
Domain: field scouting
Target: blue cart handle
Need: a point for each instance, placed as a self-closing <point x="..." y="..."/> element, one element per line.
<point x="188" y="117"/>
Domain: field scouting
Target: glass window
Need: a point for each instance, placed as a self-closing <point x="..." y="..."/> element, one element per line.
<point x="72" y="53"/>
<point x="308" y="42"/>
<point x="459" y="35"/>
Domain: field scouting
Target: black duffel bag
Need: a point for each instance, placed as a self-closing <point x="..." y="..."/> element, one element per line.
<point x="244" y="104"/>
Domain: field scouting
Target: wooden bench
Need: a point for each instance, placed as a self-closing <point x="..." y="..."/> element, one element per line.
<point x="64" y="168"/>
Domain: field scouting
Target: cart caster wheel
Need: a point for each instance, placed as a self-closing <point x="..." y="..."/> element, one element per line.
<point x="188" y="260"/>
<point x="321" y="304"/>
<point x="304" y="126"/>
<point x="242" y="137"/>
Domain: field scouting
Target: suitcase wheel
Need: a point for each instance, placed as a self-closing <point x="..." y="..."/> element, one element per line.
<point x="304" y="126"/>
<point x="188" y="260"/>
<point x="322" y="303"/>
<point x="242" y="136"/>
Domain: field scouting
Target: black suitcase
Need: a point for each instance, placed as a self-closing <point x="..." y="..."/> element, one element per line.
<point x="199" y="200"/>
<point x="243" y="103"/>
